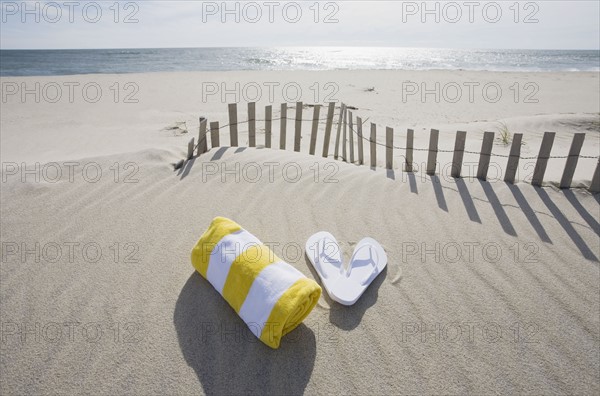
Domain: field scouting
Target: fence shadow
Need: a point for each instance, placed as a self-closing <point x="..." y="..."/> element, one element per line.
<point x="566" y="225"/>
<point x="412" y="182"/>
<point x="186" y="168"/>
<point x="219" y="153"/>
<point x="523" y="204"/>
<point x="529" y="212"/>
<point x="592" y="222"/>
<point x="439" y="192"/>
<point x="498" y="208"/>
<point x="226" y="356"/>
<point x="532" y="217"/>
<point x="188" y="164"/>
<point x="465" y="195"/>
<point x="390" y="174"/>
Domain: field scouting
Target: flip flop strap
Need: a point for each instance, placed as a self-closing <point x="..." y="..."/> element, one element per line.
<point x="373" y="263"/>
<point x="322" y="253"/>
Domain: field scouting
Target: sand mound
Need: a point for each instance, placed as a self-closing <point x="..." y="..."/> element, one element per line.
<point x="489" y="288"/>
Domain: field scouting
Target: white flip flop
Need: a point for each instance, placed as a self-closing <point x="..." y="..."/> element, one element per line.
<point x="367" y="262"/>
<point x="325" y="255"/>
<point x="345" y="285"/>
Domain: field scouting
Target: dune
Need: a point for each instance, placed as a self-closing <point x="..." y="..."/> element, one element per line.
<point x="490" y="287"/>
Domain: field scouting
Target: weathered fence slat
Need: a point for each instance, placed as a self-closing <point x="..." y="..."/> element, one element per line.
<point x="373" y="145"/>
<point x="191" y="146"/>
<point x="595" y="186"/>
<point x="542" y="161"/>
<point x="351" y="137"/>
<point x="459" y="152"/>
<point x="567" y="177"/>
<point x="233" y="125"/>
<point x="283" y="126"/>
<point x="347" y="125"/>
<point x="513" y="158"/>
<point x="214" y="134"/>
<point x="252" y="124"/>
<point x="345" y="137"/>
<point x="315" y="129"/>
<point x="389" y="148"/>
<point x="433" y="150"/>
<point x="328" y="127"/>
<point x="410" y="137"/>
<point x="298" y="131"/>
<point x="202" y="143"/>
<point x="339" y="132"/>
<point x="268" y="125"/>
<point x="361" y="158"/>
<point x="485" y="155"/>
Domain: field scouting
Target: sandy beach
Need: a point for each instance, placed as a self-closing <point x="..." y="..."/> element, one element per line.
<point x="96" y="115"/>
<point x="491" y="288"/>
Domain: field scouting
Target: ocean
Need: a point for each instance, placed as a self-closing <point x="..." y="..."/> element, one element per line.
<point x="68" y="62"/>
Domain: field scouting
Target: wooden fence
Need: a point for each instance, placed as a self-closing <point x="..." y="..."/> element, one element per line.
<point x="346" y="132"/>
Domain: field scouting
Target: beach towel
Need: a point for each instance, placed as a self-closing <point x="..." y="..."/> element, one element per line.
<point x="270" y="296"/>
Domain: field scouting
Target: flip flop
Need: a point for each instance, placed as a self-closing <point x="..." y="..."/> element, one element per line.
<point x="345" y="284"/>
<point x="325" y="255"/>
<point x="367" y="262"/>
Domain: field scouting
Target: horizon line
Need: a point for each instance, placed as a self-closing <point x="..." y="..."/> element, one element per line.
<point x="301" y="46"/>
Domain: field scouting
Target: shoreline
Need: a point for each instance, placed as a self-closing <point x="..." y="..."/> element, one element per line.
<point x="278" y="59"/>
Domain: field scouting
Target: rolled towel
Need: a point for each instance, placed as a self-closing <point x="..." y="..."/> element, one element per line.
<point x="270" y="296"/>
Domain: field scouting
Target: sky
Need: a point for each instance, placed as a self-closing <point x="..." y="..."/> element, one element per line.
<point x="433" y="24"/>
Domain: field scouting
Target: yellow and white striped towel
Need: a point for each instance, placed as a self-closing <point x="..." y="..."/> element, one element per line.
<point x="271" y="296"/>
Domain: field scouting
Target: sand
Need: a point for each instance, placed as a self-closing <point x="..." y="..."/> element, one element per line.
<point x="490" y="288"/>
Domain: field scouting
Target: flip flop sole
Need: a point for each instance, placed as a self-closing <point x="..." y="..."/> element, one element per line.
<point x="368" y="261"/>
<point x="326" y="258"/>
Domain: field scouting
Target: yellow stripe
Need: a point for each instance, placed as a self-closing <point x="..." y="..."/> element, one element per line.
<point x="219" y="228"/>
<point x="291" y="309"/>
<point x="244" y="269"/>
